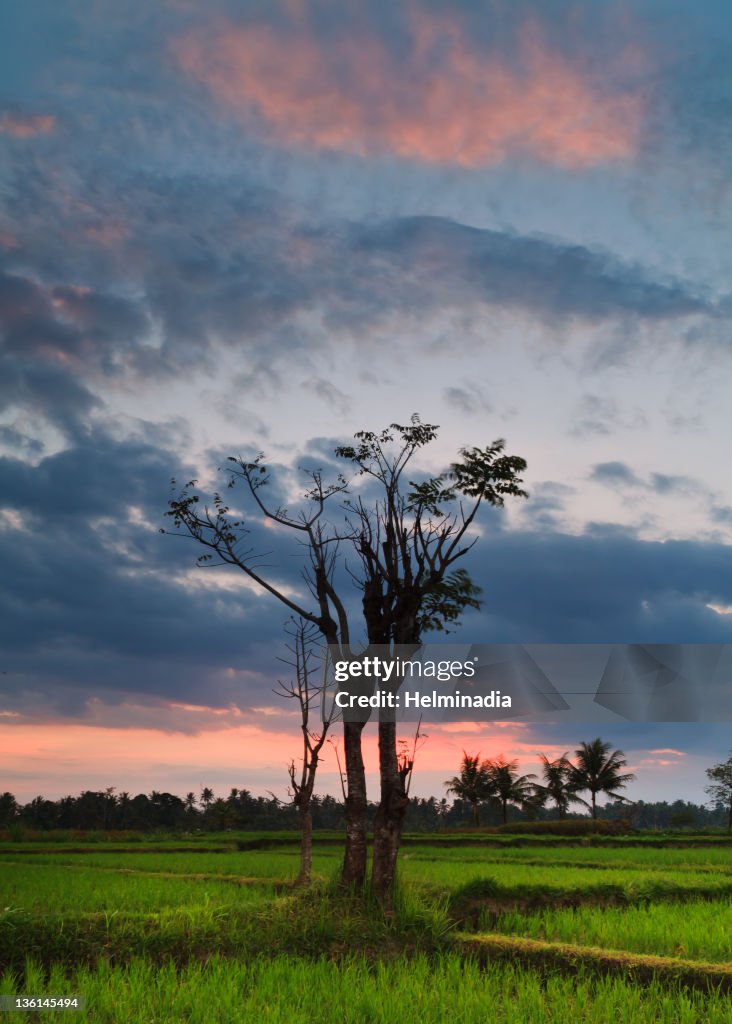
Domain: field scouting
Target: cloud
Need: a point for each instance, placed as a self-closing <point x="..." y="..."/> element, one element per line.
<point x="441" y="99"/>
<point x="25" y="126"/>
<point x="468" y="399"/>
<point x="602" y="416"/>
<point x="615" y="474"/>
<point x="619" y="474"/>
<point x="543" y="276"/>
<point x="94" y="603"/>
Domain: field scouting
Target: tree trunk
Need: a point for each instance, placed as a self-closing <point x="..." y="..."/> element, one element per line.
<point x="389" y="818"/>
<point x="306" y="841"/>
<point x="353" y="874"/>
<point x="594" y="804"/>
<point x="476" y="815"/>
<point x="505" y="811"/>
<point x="729" y="818"/>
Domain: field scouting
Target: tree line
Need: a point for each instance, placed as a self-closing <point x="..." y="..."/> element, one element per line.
<point x="107" y="810"/>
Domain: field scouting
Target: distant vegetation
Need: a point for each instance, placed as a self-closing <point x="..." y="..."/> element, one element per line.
<point x="241" y="811"/>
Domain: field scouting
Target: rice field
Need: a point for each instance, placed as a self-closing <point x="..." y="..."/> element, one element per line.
<point x="43" y="889"/>
<point x="697" y="931"/>
<point x="214" y="933"/>
<point x="290" y="990"/>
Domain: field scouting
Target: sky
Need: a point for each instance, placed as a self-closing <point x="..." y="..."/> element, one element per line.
<point x="262" y="226"/>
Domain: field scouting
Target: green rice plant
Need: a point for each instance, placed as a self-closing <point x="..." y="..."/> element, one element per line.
<point x="265" y="864"/>
<point x="357" y="990"/>
<point x="44" y="889"/>
<point x="516" y="878"/>
<point x="696" y="931"/>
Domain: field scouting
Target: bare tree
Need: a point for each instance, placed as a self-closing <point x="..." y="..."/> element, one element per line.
<point x="307" y="692"/>
<point x="407" y="541"/>
<point x="216" y="528"/>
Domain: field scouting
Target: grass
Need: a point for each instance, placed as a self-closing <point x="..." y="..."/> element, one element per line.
<point x="518" y="878"/>
<point x="307" y="924"/>
<point x="273" y="864"/>
<point x="154" y="932"/>
<point x="44" y="889"/>
<point x="418" y="990"/>
<point x="431" y="871"/>
<point x="637" y="856"/>
<point x="697" y="931"/>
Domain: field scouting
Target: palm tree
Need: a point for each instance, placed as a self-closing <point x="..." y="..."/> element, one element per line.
<point x="472" y="784"/>
<point x="599" y="771"/>
<point x="509" y="787"/>
<point x="207" y="798"/>
<point x="558" y="785"/>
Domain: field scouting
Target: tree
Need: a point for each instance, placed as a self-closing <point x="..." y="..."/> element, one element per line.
<point x="508" y="787"/>
<point x="558" y="786"/>
<point x="473" y="784"/>
<point x="599" y="771"/>
<point x="306" y="692"/>
<point x="407" y="540"/>
<point x="207" y="798"/>
<point x="8" y="809"/>
<point x="720" y="787"/>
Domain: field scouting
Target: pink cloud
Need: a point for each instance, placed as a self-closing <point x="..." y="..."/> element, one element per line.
<point x="463" y="107"/>
<point x="20" y="127"/>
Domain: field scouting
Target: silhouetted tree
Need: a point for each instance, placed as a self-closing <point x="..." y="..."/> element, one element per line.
<point x="508" y="787"/>
<point x="599" y="770"/>
<point x="473" y="784"/>
<point x="557" y="784"/>
<point x="408" y="540"/>
<point x="720" y="787"/>
<point x="8" y="809"/>
<point x="307" y="692"/>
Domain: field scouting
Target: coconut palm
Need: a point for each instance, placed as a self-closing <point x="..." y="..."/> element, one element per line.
<point x="599" y="771"/>
<point x="558" y="785"/>
<point x="509" y="787"/>
<point x="473" y="784"/>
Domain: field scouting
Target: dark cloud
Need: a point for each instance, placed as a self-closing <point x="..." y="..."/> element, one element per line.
<point x="547" y="507"/>
<point x="619" y="474"/>
<point x="601" y="586"/>
<point x="544" y="276"/>
<point x="615" y="474"/>
<point x="18" y="441"/>
<point x="96" y="603"/>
